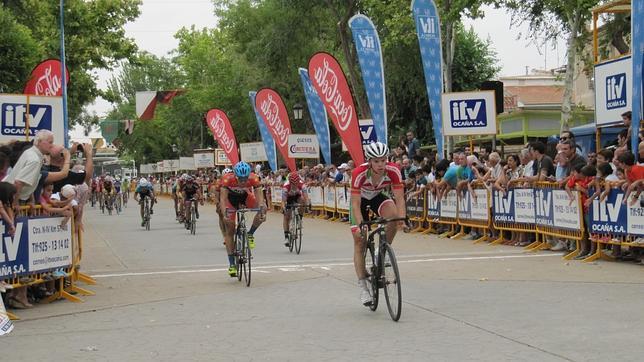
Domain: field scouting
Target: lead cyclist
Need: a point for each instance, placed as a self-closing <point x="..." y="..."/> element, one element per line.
<point x="369" y="184"/>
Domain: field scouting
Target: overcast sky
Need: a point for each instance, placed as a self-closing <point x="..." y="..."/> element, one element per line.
<point x="154" y="32"/>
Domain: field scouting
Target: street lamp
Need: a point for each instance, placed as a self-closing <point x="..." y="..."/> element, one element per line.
<point x="297" y="111"/>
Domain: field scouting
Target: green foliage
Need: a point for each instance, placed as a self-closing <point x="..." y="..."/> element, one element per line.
<point x="467" y="74"/>
<point x="262" y="44"/>
<point x="20" y="53"/>
<point x="94" y="39"/>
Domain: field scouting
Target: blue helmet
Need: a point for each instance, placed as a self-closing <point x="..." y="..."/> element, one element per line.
<point x="242" y="169"/>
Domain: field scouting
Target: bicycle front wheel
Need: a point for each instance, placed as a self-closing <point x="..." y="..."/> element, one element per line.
<point x="239" y="253"/>
<point x="247" y="266"/>
<point x="292" y="233"/>
<point x="374" y="274"/>
<point x="298" y="234"/>
<point x="391" y="277"/>
<point x="147" y="216"/>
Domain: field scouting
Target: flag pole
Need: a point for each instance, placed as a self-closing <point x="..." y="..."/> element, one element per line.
<point x="63" y="70"/>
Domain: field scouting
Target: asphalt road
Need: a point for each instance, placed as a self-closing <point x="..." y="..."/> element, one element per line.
<point x="165" y="295"/>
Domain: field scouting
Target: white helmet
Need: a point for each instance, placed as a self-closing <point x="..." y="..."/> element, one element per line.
<point x="226" y="171"/>
<point x="144" y="182"/>
<point x="376" y="150"/>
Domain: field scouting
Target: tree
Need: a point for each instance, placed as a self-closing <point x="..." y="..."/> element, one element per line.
<point x="94" y="39"/>
<point x="474" y="60"/>
<point x="550" y="19"/>
<point x="20" y="53"/>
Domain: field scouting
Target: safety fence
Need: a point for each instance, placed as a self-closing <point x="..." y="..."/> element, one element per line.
<point x="43" y="250"/>
<point x="540" y="213"/>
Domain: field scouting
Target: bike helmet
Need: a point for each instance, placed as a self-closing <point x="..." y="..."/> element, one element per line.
<point x="242" y="169"/>
<point x="294" y="177"/>
<point x="226" y="171"/>
<point x="376" y="150"/>
<point x="143" y="182"/>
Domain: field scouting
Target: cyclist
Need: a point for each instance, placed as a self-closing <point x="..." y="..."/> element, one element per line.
<point x="369" y="184"/>
<point x="292" y="193"/>
<point x="175" y="197"/>
<point x="95" y="191"/>
<point x="117" y="186"/>
<point x="126" y="190"/>
<point x="108" y="191"/>
<point x="191" y="190"/>
<point x="179" y="194"/>
<point x="215" y="191"/>
<point x="144" y="188"/>
<point x="238" y="189"/>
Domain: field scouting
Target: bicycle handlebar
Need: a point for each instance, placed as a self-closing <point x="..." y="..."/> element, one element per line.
<point x="230" y="211"/>
<point x="383" y="221"/>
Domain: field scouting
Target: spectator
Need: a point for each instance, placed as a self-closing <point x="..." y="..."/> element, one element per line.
<point x="8" y="202"/>
<point x="526" y="161"/>
<point x="403" y="145"/>
<point x="343" y="176"/>
<point x="634" y="176"/>
<point x="26" y="173"/>
<point x="413" y="145"/>
<point x="542" y="168"/>
<point x="568" y="147"/>
<point x="562" y="166"/>
<point x="580" y="180"/>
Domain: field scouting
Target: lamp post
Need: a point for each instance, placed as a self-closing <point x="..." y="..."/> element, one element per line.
<point x="297" y="112"/>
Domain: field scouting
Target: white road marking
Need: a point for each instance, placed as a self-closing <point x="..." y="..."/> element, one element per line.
<point x="325" y="266"/>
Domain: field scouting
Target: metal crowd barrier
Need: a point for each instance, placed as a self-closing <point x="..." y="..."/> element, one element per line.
<point x="66" y="281"/>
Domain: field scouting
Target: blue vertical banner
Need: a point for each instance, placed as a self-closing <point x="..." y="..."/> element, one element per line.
<point x="429" y="39"/>
<point x="318" y="115"/>
<point x="267" y="139"/>
<point x="637" y="49"/>
<point x="367" y="42"/>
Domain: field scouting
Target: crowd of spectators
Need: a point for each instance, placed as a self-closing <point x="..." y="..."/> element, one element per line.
<point x="41" y="178"/>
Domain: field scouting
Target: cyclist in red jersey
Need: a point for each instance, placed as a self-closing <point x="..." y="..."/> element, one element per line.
<point x="369" y="184"/>
<point x="240" y="189"/>
<point x="292" y="193"/>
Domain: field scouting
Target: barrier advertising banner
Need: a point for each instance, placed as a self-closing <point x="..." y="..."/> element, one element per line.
<point x="448" y="205"/>
<point x="40" y="112"/>
<point x="222" y="130"/>
<point x="170" y="165"/>
<point x="615" y="217"/>
<point x="39" y="244"/>
<point x="429" y="39"/>
<point x="369" y="51"/>
<point x="515" y="206"/>
<point x="273" y="112"/>
<point x="316" y="196"/>
<point x="433" y="206"/>
<point x="331" y="85"/>
<point x="342" y="198"/>
<point x="469" y="113"/>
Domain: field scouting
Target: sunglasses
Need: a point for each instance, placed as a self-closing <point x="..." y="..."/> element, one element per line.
<point x="563" y="138"/>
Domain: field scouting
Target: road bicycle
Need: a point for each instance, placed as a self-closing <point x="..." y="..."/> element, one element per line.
<point x="117" y="204"/>
<point x="381" y="265"/>
<point x="191" y="222"/>
<point x="126" y="196"/>
<point x="146" y="212"/>
<point x="243" y="255"/>
<point x="109" y="203"/>
<point x="295" y="227"/>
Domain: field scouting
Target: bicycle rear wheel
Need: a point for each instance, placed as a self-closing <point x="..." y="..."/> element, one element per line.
<point x="292" y="232"/>
<point x="374" y="274"/>
<point x="146" y="214"/>
<point x="298" y="234"/>
<point x="193" y="219"/>
<point x="391" y="276"/>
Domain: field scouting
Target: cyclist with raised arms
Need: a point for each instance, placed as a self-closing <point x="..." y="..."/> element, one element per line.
<point x="292" y="193"/>
<point x="240" y="189"/>
<point x="369" y="186"/>
<point x="144" y="188"/>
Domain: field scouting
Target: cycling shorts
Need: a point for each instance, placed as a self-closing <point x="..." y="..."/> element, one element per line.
<point x="239" y="201"/>
<point x="374" y="204"/>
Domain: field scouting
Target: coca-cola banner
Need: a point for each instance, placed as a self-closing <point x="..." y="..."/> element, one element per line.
<point x="45" y="79"/>
<point x="221" y="129"/>
<point x="331" y="85"/>
<point x="270" y="106"/>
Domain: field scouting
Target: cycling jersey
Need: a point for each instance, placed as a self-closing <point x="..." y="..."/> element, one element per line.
<point x="362" y="180"/>
<point x="288" y="191"/>
<point x="190" y="189"/>
<point x="232" y="184"/>
<point x="117" y="186"/>
<point x="141" y="189"/>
